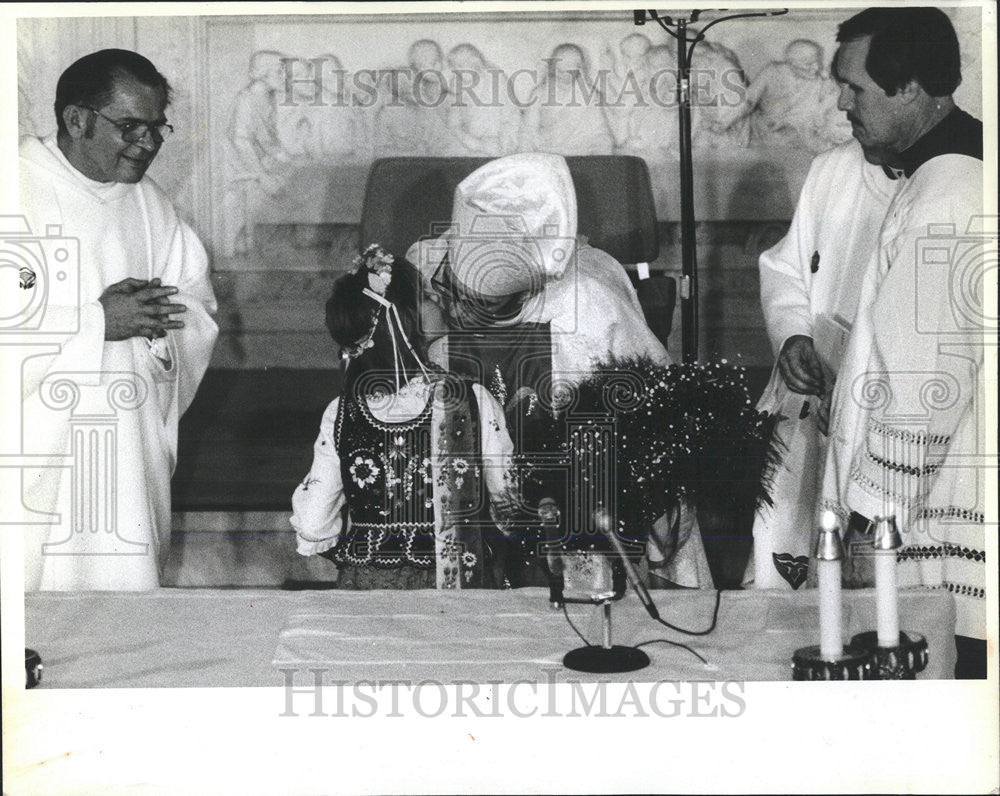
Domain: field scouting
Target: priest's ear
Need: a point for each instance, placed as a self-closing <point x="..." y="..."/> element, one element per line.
<point x="910" y="92"/>
<point x="79" y="121"/>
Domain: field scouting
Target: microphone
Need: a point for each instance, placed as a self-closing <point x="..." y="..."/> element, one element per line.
<point x="602" y="522"/>
<point x="605" y="657"/>
<point x="577" y="576"/>
<point x="548" y="512"/>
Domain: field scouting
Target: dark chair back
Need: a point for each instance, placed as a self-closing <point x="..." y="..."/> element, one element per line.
<point x="409" y="198"/>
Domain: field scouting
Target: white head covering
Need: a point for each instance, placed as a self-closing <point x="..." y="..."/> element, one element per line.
<point x="513" y="225"/>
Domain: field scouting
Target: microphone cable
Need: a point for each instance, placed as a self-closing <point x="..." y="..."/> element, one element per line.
<point x="575" y="630"/>
<point x="641" y="644"/>
<point x="673" y="644"/>
<point x="711" y="627"/>
<point x="602" y="520"/>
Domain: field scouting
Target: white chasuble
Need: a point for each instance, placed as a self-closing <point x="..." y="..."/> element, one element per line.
<point x="101" y="417"/>
<point x="907" y="429"/>
<point x="809" y="285"/>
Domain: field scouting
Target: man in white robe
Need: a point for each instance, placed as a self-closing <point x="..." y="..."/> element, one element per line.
<point x="809" y="285"/>
<point x="907" y="433"/>
<point x="539" y="273"/>
<point x="101" y="403"/>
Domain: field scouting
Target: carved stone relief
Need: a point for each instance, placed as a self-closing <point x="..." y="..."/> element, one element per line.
<point x="281" y="117"/>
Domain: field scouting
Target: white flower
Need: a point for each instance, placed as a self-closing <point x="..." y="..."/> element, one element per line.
<point x="398" y="447"/>
<point x="368" y="471"/>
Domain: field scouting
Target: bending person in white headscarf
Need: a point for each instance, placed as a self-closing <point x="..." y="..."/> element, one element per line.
<point x="534" y="309"/>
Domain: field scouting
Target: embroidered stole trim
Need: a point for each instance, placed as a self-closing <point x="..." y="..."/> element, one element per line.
<point x="457" y="474"/>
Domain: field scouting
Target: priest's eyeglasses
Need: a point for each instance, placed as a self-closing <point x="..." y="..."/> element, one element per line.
<point x="133" y="130"/>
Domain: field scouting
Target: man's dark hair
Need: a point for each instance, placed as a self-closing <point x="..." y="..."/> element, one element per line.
<point x="90" y="81"/>
<point x="908" y="43"/>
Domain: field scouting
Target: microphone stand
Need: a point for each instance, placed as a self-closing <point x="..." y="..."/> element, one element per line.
<point x="612" y="657"/>
<point x="607" y="657"/>
<point x="686" y="42"/>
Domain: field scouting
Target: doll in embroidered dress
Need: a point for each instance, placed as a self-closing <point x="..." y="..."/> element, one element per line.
<point x="420" y="457"/>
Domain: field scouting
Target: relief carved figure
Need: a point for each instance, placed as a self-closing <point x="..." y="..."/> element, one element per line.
<point x="628" y="89"/>
<point x="27" y="77"/>
<point x="793" y="102"/>
<point x="652" y="131"/>
<point x="487" y="125"/>
<point x="256" y="160"/>
<point x="412" y="117"/>
<point x="718" y="85"/>
<point x="567" y="114"/>
<point x="317" y="120"/>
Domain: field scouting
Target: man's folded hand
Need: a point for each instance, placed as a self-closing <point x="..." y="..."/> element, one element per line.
<point x="139" y="308"/>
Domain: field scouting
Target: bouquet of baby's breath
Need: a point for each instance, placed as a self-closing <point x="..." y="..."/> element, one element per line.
<point x="653" y="434"/>
<point x="686" y="430"/>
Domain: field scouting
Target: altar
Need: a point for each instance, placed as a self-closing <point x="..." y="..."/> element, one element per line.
<point x="194" y="638"/>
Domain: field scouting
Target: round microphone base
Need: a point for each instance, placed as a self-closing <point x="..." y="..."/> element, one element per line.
<point x="601" y="660"/>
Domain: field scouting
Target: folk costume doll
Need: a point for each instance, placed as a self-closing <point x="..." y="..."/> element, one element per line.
<point x="420" y="458"/>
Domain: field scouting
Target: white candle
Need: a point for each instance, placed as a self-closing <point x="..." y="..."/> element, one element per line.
<point x="829" y="554"/>
<point x="886" y="598"/>
<point x="831" y="645"/>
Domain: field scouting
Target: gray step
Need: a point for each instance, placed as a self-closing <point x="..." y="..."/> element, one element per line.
<point x="233" y="548"/>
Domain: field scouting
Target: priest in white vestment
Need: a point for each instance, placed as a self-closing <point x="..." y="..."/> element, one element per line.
<point x="809" y="286"/>
<point x="124" y="357"/>
<point x="514" y="253"/>
<point x="907" y="435"/>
